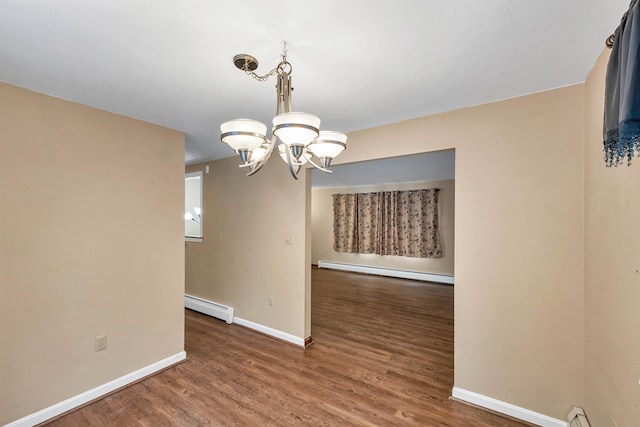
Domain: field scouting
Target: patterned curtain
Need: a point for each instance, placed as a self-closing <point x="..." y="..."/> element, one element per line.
<point x="344" y="223"/>
<point x="401" y="223"/>
<point x="368" y="220"/>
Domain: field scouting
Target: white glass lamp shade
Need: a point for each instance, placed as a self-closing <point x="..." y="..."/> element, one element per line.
<point x="188" y="216"/>
<point x="283" y="155"/>
<point x="197" y="210"/>
<point x="258" y="154"/>
<point x="243" y="134"/>
<point x="296" y="128"/>
<point x="328" y="144"/>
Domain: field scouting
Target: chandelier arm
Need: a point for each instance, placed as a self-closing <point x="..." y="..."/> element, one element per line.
<point x="312" y="163"/>
<point x="287" y="150"/>
<point x="257" y="168"/>
<point x="266" y="157"/>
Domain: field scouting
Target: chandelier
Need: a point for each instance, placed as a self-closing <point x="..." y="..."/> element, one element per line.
<point x="301" y="141"/>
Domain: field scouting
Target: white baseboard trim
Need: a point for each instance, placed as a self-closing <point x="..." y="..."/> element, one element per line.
<point x="402" y="274"/>
<point x="95" y="393"/>
<point x="507" y="408"/>
<point x="270" y="331"/>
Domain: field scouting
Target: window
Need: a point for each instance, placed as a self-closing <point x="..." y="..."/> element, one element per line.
<point x="193" y="207"/>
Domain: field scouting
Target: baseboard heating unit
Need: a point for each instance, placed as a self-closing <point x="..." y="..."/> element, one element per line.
<point x="209" y="308"/>
<point x="389" y="272"/>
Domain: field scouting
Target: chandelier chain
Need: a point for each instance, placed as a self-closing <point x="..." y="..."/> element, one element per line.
<point x="281" y="68"/>
<point x="259" y="77"/>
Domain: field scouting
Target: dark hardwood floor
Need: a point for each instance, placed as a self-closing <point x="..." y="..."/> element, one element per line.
<point x="383" y="355"/>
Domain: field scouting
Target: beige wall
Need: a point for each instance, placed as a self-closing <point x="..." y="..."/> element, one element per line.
<point x="612" y="281"/>
<point x="243" y="259"/>
<point x="518" y="240"/>
<point x="322" y="230"/>
<point x="91" y="243"/>
<point x="526" y="199"/>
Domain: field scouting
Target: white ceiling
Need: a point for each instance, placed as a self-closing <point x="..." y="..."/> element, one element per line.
<point x="356" y="64"/>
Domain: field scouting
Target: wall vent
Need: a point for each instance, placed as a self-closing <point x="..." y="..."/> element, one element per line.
<point x="577" y="418"/>
<point x="209" y="308"/>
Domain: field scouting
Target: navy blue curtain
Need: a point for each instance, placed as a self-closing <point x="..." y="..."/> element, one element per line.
<point x="622" y="92"/>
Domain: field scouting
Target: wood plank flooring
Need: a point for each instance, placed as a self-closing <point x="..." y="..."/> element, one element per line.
<point x="383" y="356"/>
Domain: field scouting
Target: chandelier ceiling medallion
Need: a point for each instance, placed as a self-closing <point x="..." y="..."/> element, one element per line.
<point x="301" y="141"/>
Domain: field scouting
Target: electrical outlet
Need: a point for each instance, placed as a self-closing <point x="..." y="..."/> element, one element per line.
<point x="101" y="342"/>
<point x="271" y="300"/>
